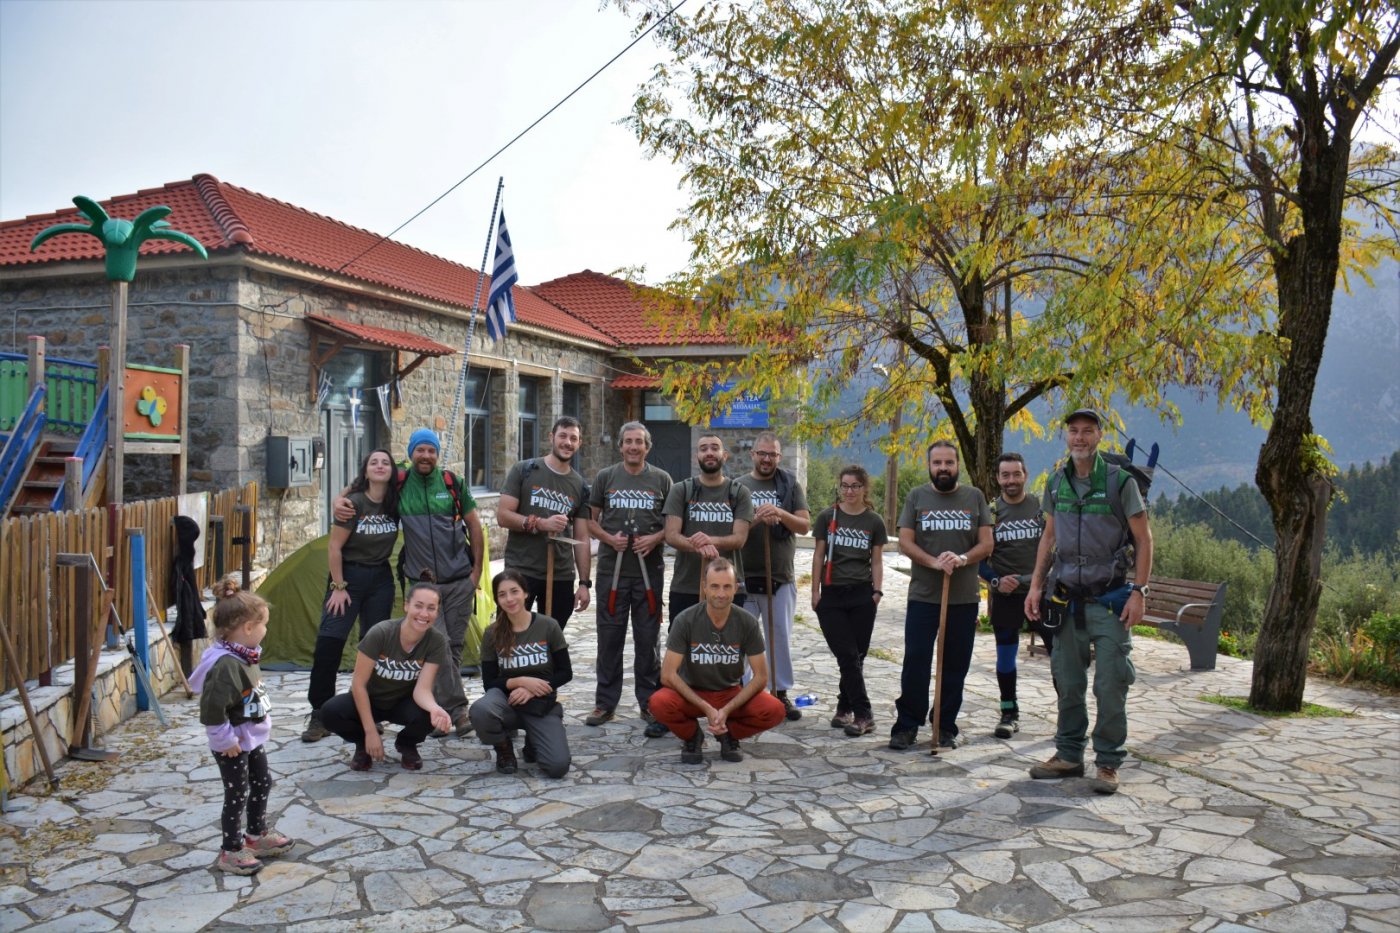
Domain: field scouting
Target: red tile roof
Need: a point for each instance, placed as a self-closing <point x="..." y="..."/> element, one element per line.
<point x="621" y="308"/>
<point x="226" y="218"/>
<point x="384" y="337"/>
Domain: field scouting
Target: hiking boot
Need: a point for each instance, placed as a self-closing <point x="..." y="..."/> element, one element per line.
<point x="729" y="748"/>
<point x="655" y="728"/>
<point x="505" y="757"/>
<point x="791" y="712"/>
<point x="409" y="757"/>
<point x="1106" y="782"/>
<point x="947" y="740"/>
<point x="527" y="752"/>
<point x="241" y="862"/>
<point x="268" y="844"/>
<point x="1056" y="768"/>
<point x="1008" y="726"/>
<point x="690" y="750"/>
<point x="900" y="741"/>
<point x="598" y="717"/>
<point x="860" y="725"/>
<point x="842" y="720"/>
<point x="462" y="724"/>
<point x="360" y="761"/>
<point x="314" y="731"/>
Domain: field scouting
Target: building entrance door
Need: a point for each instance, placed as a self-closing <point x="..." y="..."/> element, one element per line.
<point x="670" y="448"/>
<point x="346" y="448"/>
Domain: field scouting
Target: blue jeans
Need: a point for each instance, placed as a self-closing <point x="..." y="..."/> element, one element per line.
<point x="920" y="633"/>
<point x="1113" y="674"/>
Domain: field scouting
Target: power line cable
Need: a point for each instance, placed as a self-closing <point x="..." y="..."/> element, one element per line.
<point x="516" y="138"/>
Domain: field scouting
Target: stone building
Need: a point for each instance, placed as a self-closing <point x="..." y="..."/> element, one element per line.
<point x="299" y="325"/>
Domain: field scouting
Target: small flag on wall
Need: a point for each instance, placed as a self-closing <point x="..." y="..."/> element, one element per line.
<point x="500" y="305"/>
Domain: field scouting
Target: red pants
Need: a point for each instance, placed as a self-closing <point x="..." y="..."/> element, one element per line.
<point x="761" y="713"/>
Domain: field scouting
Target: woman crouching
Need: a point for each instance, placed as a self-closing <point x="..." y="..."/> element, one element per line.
<point x="393" y="682"/>
<point x="524" y="661"/>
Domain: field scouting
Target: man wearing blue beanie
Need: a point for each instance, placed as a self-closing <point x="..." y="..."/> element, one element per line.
<point x="443" y="544"/>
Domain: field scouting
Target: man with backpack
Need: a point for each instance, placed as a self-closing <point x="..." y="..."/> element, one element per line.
<point x="443" y="544"/>
<point x="707" y="516"/>
<point x="1092" y="566"/>
<point x="543" y="500"/>
<point x="779" y="512"/>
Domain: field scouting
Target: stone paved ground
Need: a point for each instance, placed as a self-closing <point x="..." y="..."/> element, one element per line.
<point x="1226" y="821"/>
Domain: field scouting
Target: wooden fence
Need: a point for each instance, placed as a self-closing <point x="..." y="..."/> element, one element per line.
<point x="38" y="598"/>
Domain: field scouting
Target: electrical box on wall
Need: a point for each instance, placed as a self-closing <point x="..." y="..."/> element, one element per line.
<point x="289" y="461"/>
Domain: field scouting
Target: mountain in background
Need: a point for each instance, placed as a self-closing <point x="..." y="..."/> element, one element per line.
<point x="1356" y="406"/>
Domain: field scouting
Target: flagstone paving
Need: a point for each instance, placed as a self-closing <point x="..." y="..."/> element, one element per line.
<point x="1226" y="821"/>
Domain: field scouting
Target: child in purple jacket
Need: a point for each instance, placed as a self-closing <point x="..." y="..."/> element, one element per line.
<point x="234" y="710"/>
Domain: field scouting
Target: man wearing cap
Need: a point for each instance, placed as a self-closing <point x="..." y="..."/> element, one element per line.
<point x="443" y="544"/>
<point x="1097" y="554"/>
<point x="543" y="499"/>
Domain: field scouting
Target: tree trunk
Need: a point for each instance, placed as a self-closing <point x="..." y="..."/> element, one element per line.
<point x="1292" y="472"/>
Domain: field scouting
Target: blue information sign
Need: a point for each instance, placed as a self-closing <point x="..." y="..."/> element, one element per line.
<point x="749" y="411"/>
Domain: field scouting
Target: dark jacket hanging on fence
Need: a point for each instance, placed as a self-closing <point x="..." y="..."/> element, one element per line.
<point x="189" y="608"/>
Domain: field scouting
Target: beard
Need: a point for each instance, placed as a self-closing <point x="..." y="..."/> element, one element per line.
<point x="710" y="468"/>
<point x="943" y="482"/>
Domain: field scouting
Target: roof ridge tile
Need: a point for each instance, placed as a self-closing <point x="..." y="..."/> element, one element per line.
<point x="235" y="230"/>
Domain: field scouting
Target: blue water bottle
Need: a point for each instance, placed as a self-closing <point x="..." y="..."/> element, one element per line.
<point x="806" y="699"/>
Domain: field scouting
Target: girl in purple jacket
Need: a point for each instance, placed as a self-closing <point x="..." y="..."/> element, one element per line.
<point x="233" y="707"/>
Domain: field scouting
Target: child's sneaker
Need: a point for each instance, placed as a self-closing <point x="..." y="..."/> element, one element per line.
<point x="268" y="844"/>
<point x="241" y="862"/>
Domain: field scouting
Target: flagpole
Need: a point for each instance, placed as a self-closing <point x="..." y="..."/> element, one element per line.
<point x="471" y="330"/>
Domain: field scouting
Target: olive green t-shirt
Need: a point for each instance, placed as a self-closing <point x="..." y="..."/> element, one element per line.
<point x="945" y="521"/>
<point x="630" y="503"/>
<point x="538" y="490"/>
<point x="850" y="544"/>
<point x="395" y="670"/>
<point x="713" y="658"/>
<point x="782" y="549"/>
<point x="373" y="531"/>
<point x="1016" y="537"/>
<point x="713" y="510"/>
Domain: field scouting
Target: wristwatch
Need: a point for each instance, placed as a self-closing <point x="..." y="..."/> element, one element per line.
<point x="340" y="586"/>
<point x="1139" y="589"/>
<point x="962" y="559"/>
<point x="586" y="583"/>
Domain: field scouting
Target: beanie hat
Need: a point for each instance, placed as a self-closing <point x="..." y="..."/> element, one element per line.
<point x="424" y="436"/>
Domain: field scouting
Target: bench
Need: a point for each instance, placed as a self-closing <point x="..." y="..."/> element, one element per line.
<point x="1188" y="609"/>
<point x="1192" y="612"/>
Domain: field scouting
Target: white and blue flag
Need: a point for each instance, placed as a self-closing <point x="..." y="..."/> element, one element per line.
<point x="500" y="306"/>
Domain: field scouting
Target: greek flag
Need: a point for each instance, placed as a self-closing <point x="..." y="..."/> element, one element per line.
<point x="500" y="306"/>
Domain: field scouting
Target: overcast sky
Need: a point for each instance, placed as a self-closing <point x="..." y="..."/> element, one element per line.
<point x="363" y="111"/>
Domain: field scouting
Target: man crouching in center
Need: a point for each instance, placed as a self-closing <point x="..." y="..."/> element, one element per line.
<point x="704" y="664"/>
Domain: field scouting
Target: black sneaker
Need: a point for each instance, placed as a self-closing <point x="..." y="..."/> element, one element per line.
<point x="947" y="740"/>
<point x="1008" y="726"/>
<point x="527" y="752"/>
<point x="729" y="748"/>
<point x="690" y="750"/>
<point x="842" y="720"/>
<point x="900" y="741"/>
<point x="314" y="731"/>
<point x="791" y="712"/>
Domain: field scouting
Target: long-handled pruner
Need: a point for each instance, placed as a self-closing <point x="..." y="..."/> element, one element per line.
<point x="652" y="605"/>
<point x="549" y="572"/>
<point x="617" y="572"/>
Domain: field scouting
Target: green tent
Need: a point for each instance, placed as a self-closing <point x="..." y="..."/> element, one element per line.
<point x="296" y="589"/>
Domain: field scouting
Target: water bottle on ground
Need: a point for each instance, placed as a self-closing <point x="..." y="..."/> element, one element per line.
<point x="806" y="699"/>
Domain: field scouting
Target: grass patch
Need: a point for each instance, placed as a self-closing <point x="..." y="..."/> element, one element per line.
<point x="1309" y="710"/>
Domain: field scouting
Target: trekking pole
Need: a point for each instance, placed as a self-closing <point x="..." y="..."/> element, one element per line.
<point x="938" y="663"/>
<point x="549" y="577"/>
<point x="768" y="615"/>
<point x="18" y="676"/>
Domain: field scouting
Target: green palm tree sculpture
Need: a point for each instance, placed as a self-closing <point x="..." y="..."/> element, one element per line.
<point x="122" y="238"/>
